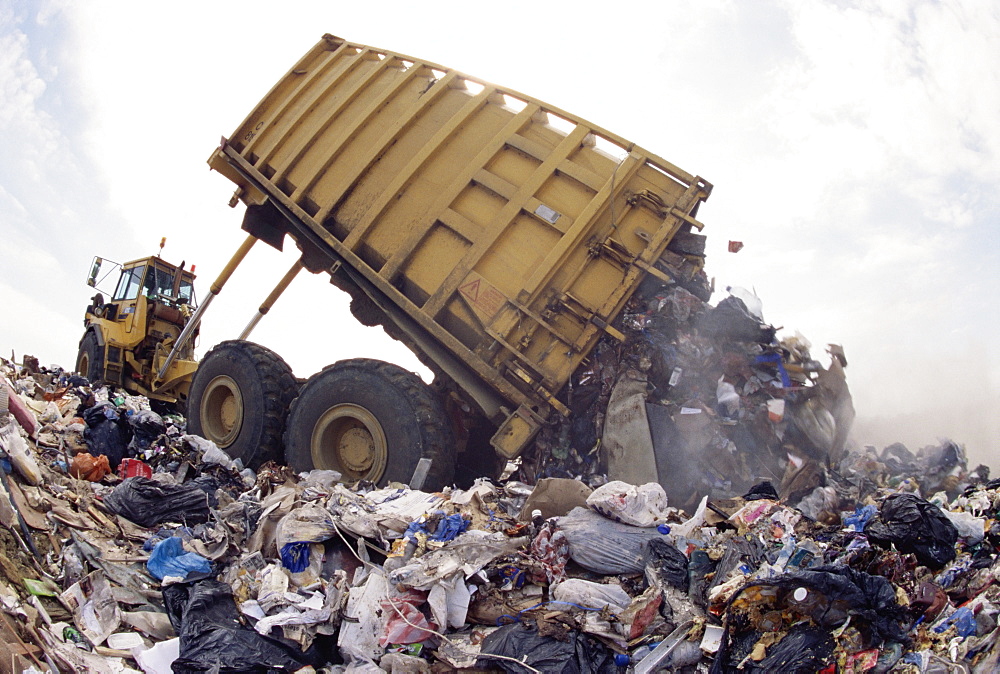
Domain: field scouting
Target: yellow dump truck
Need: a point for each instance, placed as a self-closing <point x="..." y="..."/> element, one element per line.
<point x="495" y="235"/>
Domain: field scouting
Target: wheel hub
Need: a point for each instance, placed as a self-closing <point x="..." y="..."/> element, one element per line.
<point x="349" y="439"/>
<point x="357" y="449"/>
<point x="222" y="411"/>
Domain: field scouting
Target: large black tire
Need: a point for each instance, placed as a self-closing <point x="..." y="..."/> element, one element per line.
<point x="90" y="359"/>
<point x="370" y="420"/>
<point x="239" y="399"/>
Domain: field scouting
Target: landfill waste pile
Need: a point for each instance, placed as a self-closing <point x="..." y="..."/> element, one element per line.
<point x="704" y="398"/>
<point x="129" y="545"/>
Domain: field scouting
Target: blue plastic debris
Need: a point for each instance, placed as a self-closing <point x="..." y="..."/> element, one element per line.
<point x="170" y="559"/>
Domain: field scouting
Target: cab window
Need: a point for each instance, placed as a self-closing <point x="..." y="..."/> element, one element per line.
<point x="159" y="282"/>
<point x="185" y="294"/>
<point x="129" y="284"/>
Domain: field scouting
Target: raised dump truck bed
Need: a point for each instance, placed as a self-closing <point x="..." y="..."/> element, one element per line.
<point x="500" y="236"/>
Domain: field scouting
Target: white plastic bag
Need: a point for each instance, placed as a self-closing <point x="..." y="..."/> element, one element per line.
<point x="210" y="452"/>
<point x="591" y="595"/>
<point x="970" y="527"/>
<point x="642" y="506"/>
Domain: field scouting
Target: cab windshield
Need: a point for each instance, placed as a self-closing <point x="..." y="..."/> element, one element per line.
<point x="156" y="283"/>
<point x="129" y="283"/>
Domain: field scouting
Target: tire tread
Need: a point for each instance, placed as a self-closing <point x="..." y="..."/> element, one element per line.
<point x="279" y="388"/>
<point x="428" y="410"/>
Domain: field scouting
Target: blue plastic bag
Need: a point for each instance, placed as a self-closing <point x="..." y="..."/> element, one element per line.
<point x="169" y="559"/>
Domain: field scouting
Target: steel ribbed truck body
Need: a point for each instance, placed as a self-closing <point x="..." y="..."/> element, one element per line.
<point x="496" y="235"/>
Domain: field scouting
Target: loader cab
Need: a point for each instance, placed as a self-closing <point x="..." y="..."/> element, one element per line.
<point x="135" y="321"/>
<point x="145" y="285"/>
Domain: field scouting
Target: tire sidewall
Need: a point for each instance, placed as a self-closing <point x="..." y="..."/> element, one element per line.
<point x="368" y="389"/>
<point x="90" y="346"/>
<point x="227" y="360"/>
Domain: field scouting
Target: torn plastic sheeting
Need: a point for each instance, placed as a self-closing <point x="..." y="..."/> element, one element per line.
<point x="449" y="528"/>
<point x="578" y="654"/>
<point x="293" y="617"/>
<point x="819" y="501"/>
<point x="148" y="503"/>
<point x="862" y="515"/>
<point x="396" y="508"/>
<point x="914" y="525"/>
<point x="212" y="636"/>
<point x="210" y="452"/>
<point x="602" y="545"/>
<point x="728" y="398"/>
<point x="963" y="620"/>
<point x="468" y="553"/>
<point x="170" y="559"/>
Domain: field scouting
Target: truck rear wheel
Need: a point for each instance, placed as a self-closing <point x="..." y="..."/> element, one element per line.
<point x="90" y="359"/>
<point x="239" y="400"/>
<point x="369" y="420"/>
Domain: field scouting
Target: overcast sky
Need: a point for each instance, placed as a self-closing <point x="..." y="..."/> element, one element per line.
<point x="852" y="145"/>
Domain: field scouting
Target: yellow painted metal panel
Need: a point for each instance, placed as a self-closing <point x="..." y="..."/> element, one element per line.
<point x="511" y="231"/>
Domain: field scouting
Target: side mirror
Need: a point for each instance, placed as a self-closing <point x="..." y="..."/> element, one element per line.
<point x="95" y="269"/>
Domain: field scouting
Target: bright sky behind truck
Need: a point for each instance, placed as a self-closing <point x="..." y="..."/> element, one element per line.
<point x="853" y="148"/>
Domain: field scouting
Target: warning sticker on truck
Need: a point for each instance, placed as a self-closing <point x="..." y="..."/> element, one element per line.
<point x="482" y="297"/>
